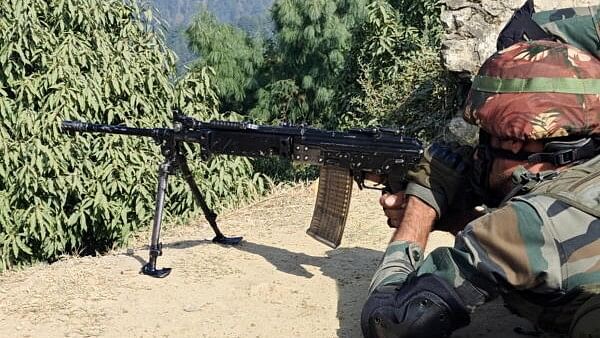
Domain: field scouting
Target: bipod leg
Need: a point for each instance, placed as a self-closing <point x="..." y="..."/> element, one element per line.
<point x="155" y="246"/>
<point x="209" y="214"/>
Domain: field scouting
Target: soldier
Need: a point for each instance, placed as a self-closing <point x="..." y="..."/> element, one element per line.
<point x="537" y="105"/>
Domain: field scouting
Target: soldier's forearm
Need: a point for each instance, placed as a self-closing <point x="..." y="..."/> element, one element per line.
<point x="417" y="222"/>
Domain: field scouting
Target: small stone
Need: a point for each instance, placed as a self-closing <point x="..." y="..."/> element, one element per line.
<point x="192" y="308"/>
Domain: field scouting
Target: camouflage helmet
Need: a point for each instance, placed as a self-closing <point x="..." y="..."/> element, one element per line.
<point x="535" y="90"/>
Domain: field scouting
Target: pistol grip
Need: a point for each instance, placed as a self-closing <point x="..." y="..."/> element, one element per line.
<point x="396" y="181"/>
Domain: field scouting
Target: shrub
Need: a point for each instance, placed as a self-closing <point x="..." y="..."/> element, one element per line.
<point x="101" y="61"/>
<point x="395" y="75"/>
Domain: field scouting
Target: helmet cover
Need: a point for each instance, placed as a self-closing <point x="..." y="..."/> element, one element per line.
<point x="535" y="90"/>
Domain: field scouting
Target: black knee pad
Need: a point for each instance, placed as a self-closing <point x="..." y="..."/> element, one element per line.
<point x="585" y="321"/>
<point x="425" y="306"/>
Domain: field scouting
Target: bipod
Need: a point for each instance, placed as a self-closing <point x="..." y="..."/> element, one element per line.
<point x="209" y="214"/>
<point x="175" y="159"/>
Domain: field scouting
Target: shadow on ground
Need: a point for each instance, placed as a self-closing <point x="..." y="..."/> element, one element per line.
<point x="352" y="269"/>
<point x="344" y="265"/>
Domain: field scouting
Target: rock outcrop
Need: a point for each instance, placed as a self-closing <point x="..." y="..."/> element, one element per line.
<point x="472" y="27"/>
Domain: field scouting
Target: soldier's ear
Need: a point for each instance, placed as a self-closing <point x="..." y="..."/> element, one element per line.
<point x="511" y="145"/>
<point x="515" y="146"/>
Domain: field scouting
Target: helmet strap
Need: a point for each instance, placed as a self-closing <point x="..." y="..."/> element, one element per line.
<point x="558" y="153"/>
<point x="561" y="153"/>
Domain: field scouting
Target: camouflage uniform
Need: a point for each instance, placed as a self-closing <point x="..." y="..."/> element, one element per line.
<point x="579" y="27"/>
<point x="535" y="250"/>
<point x="540" y="251"/>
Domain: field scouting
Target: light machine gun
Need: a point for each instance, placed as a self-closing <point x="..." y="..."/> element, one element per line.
<point x="342" y="156"/>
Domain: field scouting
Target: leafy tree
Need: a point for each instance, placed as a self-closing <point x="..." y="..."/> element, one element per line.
<point x="312" y="39"/>
<point x="99" y="61"/>
<point x="233" y="55"/>
<point x="394" y="74"/>
<point x="249" y="15"/>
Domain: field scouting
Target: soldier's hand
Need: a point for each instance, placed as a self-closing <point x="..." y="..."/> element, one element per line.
<point x="394" y="206"/>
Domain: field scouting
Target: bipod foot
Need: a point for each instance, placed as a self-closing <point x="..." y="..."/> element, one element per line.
<point x="227" y="240"/>
<point x="152" y="271"/>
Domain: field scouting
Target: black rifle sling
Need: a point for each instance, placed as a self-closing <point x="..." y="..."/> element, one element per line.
<point x="521" y="27"/>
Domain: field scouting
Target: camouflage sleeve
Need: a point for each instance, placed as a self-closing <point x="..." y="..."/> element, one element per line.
<point x="441" y="178"/>
<point x="503" y="248"/>
<point x="577" y="26"/>
<point x="541" y="251"/>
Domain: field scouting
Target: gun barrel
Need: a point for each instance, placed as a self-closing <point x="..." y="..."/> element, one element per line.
<point x="73" y="126"/>
<point x="80" y="126"/>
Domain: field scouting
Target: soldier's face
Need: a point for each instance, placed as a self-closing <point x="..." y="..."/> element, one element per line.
<point x="500" y="179"/>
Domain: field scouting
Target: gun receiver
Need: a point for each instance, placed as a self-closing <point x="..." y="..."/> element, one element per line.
<point x="342" y="156"/>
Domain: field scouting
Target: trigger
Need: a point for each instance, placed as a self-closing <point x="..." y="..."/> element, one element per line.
<point x="377" y="186"/>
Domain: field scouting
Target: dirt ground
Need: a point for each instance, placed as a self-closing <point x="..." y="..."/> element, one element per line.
<point x="278" y="283"/>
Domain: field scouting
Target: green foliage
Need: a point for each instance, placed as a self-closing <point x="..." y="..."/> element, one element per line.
<point x="297" y="79"/>
<point x="249" y="15"/>
<point x="424" y="15"/>
<point x="281" y="101"/>
<point x="296" y="76"/>
<point x="230" y="52"/>
<point x="100" y="61"/>
<point x="312" y="39"/>
<point x="395" y="76"/>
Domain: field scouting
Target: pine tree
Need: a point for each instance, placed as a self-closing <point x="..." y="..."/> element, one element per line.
<point x="312" y="39"/>
<point x="233" y="55"/>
